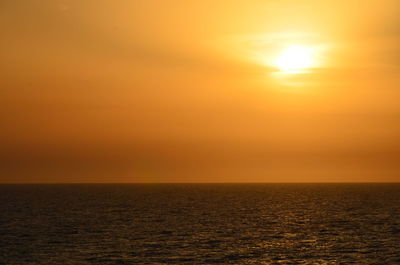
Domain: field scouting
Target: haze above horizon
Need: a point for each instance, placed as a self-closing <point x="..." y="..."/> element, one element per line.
<point x="199" y="91"/>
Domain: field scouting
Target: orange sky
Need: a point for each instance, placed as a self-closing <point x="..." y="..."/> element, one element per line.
<point x="187" y="91"/>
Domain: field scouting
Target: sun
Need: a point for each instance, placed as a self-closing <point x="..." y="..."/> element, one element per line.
<point x="295" y="59"/>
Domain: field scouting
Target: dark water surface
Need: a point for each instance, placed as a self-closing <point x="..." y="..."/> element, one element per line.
<point x="200" y="224"/>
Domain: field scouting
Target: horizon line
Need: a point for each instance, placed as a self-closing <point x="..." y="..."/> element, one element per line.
<point x="326" y="182"/>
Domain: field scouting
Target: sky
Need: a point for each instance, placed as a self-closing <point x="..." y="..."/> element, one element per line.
<point x="192" y="91"/>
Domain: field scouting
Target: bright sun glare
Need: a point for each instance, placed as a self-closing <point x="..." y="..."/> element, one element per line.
<point x="295" y="59"/>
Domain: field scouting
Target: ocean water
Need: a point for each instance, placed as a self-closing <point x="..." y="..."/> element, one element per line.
<point x="200" y="224"/>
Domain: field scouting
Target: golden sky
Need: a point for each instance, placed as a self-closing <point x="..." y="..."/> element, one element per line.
<point x="199" y="91"/>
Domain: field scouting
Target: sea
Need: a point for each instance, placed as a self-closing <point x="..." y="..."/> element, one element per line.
<point x="199" y="224"/>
